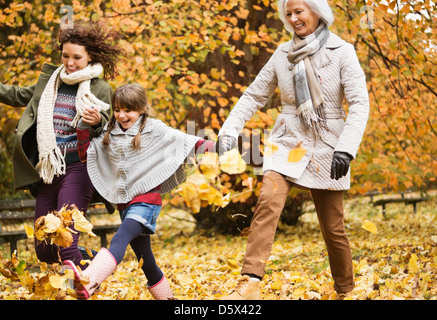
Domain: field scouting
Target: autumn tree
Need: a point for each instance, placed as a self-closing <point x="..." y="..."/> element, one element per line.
<point x="396" y="43"/>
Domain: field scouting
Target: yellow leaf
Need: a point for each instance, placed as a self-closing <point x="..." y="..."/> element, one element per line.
<point x="412" y="264"/>
<point x="233" y="264"/>
<point x="58" y="282"/>
<point x="369" y="226"/>
<point x="189" y="193"/>
<point x="296" y="154"/>
<point x="276" y="285"/>
<point x="209" y="165"/>
<point x="81" y="223"/>
<point x="231" y="162"/>
<point x="29" y="231"/>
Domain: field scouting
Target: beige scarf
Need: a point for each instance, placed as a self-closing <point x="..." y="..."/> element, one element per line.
<point x="51" y="160"/>
<point x="309" y="97"/>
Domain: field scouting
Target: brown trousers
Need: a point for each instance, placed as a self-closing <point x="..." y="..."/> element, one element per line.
<point x="329" y="207"/>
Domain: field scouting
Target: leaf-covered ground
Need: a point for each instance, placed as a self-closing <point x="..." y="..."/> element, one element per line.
<point x="399" y="261"/>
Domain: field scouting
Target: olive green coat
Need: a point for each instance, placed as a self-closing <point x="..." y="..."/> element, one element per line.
<point x="25" y="150"/>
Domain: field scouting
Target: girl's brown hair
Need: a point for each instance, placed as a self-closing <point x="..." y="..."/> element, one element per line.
<point x="131" y="97"/>
<point x="99" y="42"/>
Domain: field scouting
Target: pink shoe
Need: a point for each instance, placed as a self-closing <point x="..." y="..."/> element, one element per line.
<point x="102" y="266"/>
<point x="161" y="290"/>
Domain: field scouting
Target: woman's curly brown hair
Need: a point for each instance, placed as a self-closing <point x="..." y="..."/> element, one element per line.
<point x="99" y="42"/>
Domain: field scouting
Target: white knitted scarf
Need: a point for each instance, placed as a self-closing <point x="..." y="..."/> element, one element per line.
<point x="51" y="160"/>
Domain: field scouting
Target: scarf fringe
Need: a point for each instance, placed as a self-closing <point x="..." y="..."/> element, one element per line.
<point x="314" y="119"/>
<point x="50" y="165"/>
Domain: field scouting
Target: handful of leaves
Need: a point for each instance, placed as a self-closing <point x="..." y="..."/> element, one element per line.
<point x="54" y="228"/>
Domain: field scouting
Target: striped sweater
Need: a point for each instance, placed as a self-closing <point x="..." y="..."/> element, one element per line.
<point x="63" y="114"/>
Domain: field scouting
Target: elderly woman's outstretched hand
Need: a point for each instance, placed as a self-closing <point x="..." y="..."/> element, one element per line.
<point x="225" y="143"/>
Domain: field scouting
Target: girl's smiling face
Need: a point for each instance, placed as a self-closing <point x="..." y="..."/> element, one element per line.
<point x="74" y="57"/>
<point x="303" y="20"/>
<point x="126" y="118"/>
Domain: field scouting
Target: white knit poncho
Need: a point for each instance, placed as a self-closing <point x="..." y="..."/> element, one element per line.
<point x="119" y="173"/>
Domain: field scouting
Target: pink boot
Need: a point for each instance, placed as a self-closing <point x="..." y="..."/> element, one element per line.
<point x="161" y="290"/>
<point x="102" y="266"/>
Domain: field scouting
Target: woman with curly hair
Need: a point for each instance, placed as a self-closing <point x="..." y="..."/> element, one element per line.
<point x="45" y="154"/>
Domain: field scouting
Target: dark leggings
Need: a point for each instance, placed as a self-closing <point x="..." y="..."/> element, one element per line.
<point x="131" y="232"/>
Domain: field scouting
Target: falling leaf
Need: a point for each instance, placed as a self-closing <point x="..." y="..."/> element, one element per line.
<point x="369" y="226"/>
<point x="209" y="165"/>
<point x="231" y="162"/>
<point x="30" y="232"/>
<point x="296" y="154"/>
<point x="81" y="223"/>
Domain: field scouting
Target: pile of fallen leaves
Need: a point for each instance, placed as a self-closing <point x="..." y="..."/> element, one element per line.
<point x="394" y="257"/>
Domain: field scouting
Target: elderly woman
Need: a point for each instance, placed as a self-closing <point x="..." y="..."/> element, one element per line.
<point x="315" y="72"/>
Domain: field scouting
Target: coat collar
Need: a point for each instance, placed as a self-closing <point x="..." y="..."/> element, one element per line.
<point x="333" y="42"/>
<point x="48" y="68"/>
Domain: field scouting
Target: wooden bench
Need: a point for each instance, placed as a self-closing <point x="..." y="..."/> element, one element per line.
<point x="20" y="212"/>
<point x="407" y="201"/>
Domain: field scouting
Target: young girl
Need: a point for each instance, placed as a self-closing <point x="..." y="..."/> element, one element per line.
<point x="133" y="162"/>
<point x="45" y="155"/>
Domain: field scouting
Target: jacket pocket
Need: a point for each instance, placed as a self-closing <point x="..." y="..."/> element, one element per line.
<point x="278" y="129"/>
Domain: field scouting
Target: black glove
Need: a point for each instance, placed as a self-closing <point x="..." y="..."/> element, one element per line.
<point x="225" y="143"/>
<point x="340" y="164"/>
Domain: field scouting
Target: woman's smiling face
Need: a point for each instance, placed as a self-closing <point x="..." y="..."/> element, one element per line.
<point x="302" y="19"/>
<point x="74" y="57"/>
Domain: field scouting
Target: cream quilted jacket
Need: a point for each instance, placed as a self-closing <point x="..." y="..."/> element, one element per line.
<point x="341" y="78"/>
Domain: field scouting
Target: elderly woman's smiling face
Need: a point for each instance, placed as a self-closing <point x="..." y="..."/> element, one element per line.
<point x="302" y="19"/>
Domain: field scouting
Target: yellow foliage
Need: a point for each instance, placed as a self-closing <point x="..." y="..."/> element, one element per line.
<point x="397" y="263"/>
